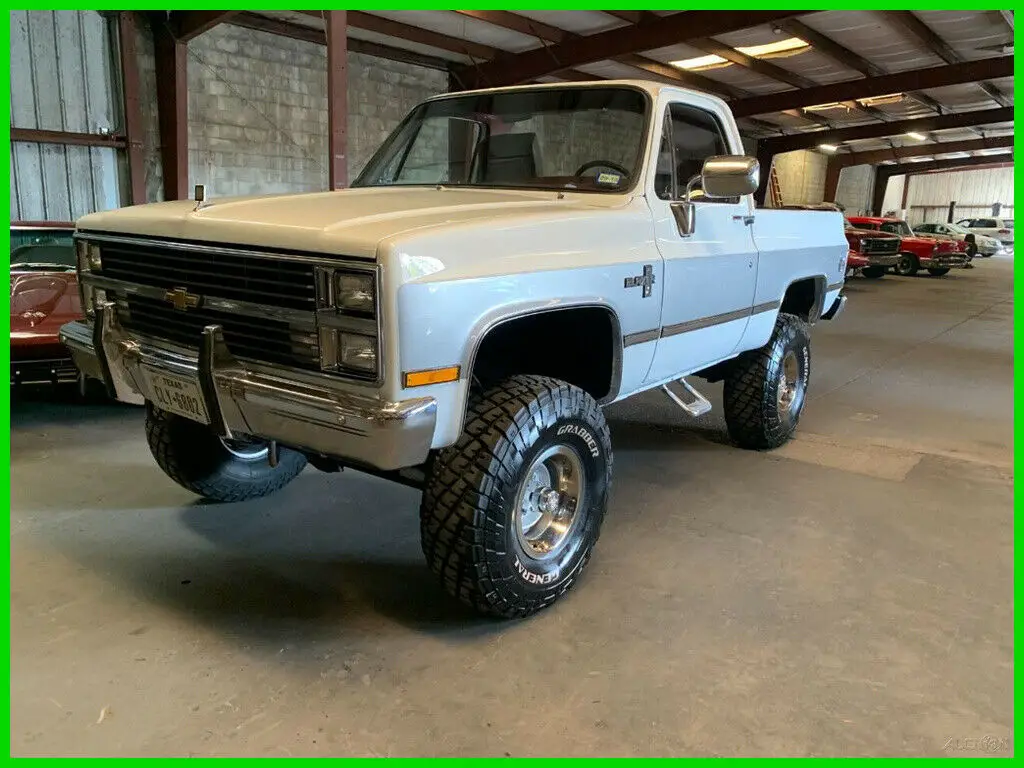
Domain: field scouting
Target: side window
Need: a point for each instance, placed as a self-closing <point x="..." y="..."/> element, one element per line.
<point x="892" y="227"/>
<point x="988" y="223"/>
<point x="696" y="135"/>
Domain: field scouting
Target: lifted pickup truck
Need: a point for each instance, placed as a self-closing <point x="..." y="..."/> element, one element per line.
<point x="509" y="261"/>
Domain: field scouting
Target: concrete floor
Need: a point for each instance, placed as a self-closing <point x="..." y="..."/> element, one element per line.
<point x="850" y="594"/>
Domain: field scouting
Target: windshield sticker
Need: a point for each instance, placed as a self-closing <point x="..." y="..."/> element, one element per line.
<point x="609" y="178"/>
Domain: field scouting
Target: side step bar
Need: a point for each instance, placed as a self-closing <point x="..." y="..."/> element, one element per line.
<point x="690" y="400"/>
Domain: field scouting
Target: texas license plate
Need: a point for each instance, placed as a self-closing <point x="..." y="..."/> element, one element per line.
<point x="177" y="394"/>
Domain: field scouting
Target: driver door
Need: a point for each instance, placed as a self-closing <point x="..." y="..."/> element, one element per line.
<point x="710" y="275"/>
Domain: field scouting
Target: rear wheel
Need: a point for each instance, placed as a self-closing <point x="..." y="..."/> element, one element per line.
<point x="873" y="272"/>
<point x="908" y="265"/>
<point x="511" y="512"/>
<point x="938" y="271"/>
<point x="213" y="467"/>
<point x="766" y="389"/>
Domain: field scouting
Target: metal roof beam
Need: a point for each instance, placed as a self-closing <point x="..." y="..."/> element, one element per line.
<point x="896" y="127"/>
<point x="529" y="65"/>
<point x="932" y="77"/>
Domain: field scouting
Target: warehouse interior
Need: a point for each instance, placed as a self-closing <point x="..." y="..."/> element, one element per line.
<point x="847" y="594"/>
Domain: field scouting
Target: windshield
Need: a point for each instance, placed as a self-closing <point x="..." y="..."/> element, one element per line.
<point x="585" y="139"/>
<point x="1008" y="223"/>
<point x="956" y="228"/>
<point x="42" y="248"/>
<point x="897" y="228"/>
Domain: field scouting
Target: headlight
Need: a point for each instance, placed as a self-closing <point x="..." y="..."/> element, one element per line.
<point x="353" y="292"/>
<point x="357" y="352"/>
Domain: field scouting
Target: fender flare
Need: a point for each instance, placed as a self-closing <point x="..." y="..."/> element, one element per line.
<point x="483" y="329"/>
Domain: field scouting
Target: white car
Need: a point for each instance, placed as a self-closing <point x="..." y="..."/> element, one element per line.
<point x="986" y="246"/>
<point x="992" y="226"/>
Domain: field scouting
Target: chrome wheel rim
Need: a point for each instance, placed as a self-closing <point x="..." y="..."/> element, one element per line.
<point x="549" y="500"/>
<point x="789" y="382"/>
<point x="245" y="448"/>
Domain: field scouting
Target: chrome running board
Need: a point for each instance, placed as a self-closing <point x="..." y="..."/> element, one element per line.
<point x="690" y="400"/>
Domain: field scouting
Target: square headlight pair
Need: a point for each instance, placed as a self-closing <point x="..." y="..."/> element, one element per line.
<point x="347" y="318"/>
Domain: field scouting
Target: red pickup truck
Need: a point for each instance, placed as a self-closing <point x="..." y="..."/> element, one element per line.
<point x="917" y="252"/>
<point x="872" y="253"/>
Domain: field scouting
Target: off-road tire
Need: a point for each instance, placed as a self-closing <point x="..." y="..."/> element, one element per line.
<point x="195" y="458"/>
<point x="466" y="516"/>
<point x="938" y="271"/>
<point x="908" y="265"/>
<point x="873" y="272"/>
<point x="751" y="399"/>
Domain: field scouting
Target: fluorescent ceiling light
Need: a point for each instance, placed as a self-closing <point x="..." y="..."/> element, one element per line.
<point x="993" y="151"/>
<point x="918" y="159"/>
<point x="917" y="136"/>
<point x="825" y="107"/>
<point x="700" y="62"/>
<point x="828" y="147"/>
<point x="951" y="155"/>
<point x="774" y="48"/>
<point x="888" y="98"/>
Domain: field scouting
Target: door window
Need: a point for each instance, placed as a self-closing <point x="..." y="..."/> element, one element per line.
<point x="690" y="136"/>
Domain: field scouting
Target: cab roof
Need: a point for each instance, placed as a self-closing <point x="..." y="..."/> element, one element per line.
<point x="653" y="89"/>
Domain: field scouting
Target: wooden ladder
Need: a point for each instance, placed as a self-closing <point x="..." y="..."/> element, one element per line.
<point x="773" y="187"/>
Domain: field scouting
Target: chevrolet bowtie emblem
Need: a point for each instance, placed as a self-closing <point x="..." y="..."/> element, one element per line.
<point x="181" y="299"/>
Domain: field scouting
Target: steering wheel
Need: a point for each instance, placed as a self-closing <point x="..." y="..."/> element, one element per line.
<point x="600" y="164"/>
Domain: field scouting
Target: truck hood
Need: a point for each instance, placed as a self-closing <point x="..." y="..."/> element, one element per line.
<point x="349" y="222"/>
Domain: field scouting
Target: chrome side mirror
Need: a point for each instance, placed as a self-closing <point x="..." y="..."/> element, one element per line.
<point x="685" y="214"/>
<point x="730" y="175"/>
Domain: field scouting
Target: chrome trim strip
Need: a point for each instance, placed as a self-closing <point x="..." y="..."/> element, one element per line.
<point x="226" y="250"/>
<point x="725" y="317"/>
<point x="640" y="337"/>
<point x="233" y="306"/>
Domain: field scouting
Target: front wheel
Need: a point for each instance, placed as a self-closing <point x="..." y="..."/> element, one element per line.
<point x="511" y="512"/>
<point x="938" y="271"/>
<point x="873" y="272"/>
<point x="194" y="457"/>
<point x="766" y="388"/>
<point x="907" y="265"/>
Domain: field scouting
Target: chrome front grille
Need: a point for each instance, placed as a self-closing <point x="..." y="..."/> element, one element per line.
<point x="880" y="245"/>
<point x="210" y="271"/>
<point x="247" y="336"/>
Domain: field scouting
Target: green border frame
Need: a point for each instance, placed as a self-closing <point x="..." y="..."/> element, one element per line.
<point x="1018" y="272"/>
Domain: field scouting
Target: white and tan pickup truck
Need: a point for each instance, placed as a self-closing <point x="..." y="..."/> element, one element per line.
<point x="510" y="261"/>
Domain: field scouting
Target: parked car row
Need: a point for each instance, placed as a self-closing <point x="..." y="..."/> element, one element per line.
<point x="936" y="253"/>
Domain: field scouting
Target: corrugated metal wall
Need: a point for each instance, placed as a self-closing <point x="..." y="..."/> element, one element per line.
<point x="64" y="78"/>
<point x="929" y="195"/>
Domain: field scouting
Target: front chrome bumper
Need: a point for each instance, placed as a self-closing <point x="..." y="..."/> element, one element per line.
<point x="305" y="411"/>
<point x="946" y="261"/>
<point x="882" y="259"/>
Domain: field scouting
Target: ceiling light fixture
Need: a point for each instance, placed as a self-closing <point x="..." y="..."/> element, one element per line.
<point x="825" y="107"/>
<point x="874" y="101"/>
<point x="917" y="136"/>
<point x="775" y="48"/>
<point x="828" y="147"/>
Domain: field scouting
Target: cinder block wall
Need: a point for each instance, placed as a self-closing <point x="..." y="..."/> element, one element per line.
<point x="801" y="176"/>
<point x="257" y="110"/>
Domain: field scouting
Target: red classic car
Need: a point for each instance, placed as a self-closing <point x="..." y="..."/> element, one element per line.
<point x="872" y="253"/>
<point x="44" y="296"/>
<point x="936" y="255"/>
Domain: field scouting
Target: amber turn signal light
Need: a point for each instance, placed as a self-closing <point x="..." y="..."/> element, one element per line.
<point x="435" y="376"/>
